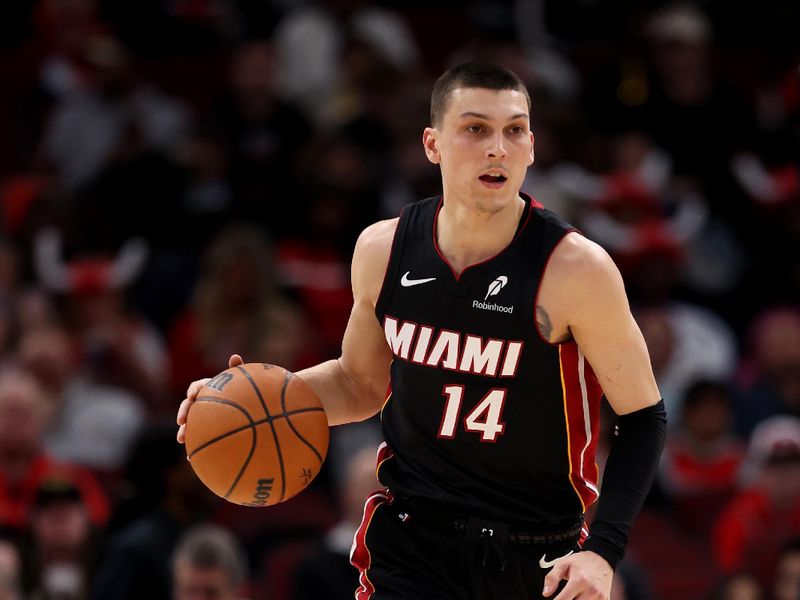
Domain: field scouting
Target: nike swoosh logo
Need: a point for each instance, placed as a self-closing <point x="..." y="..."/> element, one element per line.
<point x="406" y="282"/>
<point x="546" y="564"/>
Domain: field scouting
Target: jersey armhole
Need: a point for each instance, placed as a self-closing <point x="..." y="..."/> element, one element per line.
<point x="390" y="275"/>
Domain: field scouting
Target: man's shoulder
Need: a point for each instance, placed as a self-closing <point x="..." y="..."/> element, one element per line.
<point x="581" y="264"/>
<point x="371" y="258"/>
<point x="377" y="237"/>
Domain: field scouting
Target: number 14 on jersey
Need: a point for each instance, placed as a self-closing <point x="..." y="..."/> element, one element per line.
<point x="484" y="418"/>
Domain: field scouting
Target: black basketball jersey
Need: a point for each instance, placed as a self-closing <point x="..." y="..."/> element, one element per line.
<point x="482" y="411"/>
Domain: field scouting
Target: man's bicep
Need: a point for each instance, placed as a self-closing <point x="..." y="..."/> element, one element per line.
<point x="365" y="354"/>
<point x="611" y="341"/>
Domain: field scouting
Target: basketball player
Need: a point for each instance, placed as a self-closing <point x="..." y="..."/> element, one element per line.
<point x="495" y="327"/>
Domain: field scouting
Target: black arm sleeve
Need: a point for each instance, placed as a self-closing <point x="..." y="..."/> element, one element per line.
<point x="628" y="476"/>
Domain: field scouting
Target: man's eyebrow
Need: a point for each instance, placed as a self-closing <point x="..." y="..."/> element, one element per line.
<point x="475" y="115"/>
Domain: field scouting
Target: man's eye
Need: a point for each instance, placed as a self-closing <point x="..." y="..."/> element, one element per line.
<point x="516" y="130"/>
<point x="474" y="128"/>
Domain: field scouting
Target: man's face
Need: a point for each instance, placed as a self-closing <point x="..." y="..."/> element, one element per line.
<point x="192" y="583"/>
<point x="483" y="145"/>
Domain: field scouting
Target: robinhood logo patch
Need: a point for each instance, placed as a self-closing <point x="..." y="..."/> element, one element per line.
<point x="495" y="287"/>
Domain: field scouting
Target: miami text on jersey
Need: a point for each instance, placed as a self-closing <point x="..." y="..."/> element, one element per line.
<point x="464" y="352"/>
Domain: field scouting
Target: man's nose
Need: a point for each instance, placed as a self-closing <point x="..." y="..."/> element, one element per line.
<point x="496" y="147"/>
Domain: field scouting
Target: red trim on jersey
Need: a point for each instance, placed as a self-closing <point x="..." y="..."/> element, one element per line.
<point x="436" y="244"/>
<point x="582" y="415"/>
<point x="360" y="556"/>
<point x="386" y="400"/>
<point x="384" y="454"/>
<point x="539" y="288"/>
<point x="532" y="204"/>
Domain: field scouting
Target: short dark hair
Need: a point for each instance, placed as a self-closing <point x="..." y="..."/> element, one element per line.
<point x="211" y="547"/>
<point x="472" y="75"/>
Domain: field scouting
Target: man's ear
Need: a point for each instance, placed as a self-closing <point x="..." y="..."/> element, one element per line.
<point x="530" y="162"/>
<point x="431" y="144"/>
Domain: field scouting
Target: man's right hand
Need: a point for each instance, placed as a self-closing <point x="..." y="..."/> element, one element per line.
<point x="191" y="394"/>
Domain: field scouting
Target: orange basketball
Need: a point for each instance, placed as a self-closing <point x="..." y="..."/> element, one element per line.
<point x="256" y="435"/>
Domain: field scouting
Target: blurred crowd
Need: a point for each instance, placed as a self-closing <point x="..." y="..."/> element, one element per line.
<point x="184" y="179"/>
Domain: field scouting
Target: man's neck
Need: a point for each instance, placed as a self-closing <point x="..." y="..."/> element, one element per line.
<point x="466" y="237"/>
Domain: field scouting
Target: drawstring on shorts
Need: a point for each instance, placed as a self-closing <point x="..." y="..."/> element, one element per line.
<point x="488" y="537"/>
<point x="491" y="537"/>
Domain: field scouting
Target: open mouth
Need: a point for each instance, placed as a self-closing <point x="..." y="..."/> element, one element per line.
<point x="493" y="180"/>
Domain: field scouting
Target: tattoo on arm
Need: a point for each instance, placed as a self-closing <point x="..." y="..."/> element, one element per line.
<point x="544" y="323"/>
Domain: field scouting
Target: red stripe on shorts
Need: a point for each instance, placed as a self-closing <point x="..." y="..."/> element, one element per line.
<point x="360" y="556"/>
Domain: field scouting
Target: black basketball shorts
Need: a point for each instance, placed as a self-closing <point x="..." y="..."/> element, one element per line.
<point x="402" y="553"/>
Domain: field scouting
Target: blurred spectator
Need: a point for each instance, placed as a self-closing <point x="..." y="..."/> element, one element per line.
<point x="408" y="175"/>
<point x="166" y="498"/>
<point x="741" y="586"/>
<point x="35" y="309"/>
<point x="90" y="423"/>
<point x="787" y="576"/>
<point x="237" y="308"/>
<point x="64" y="27"/>
<point x="10" y="267"/>
<point x="24" y="464"/>
<point x="119" y="346"/>
<point x="646" y="215"/>
<point x="10" y="570"/>
<point x="262" y="135"/>
<point x="61" y="545"/>
<point x="689" y="110"/>
<point x="757" y="522"/>
<point x="208" y="563"/>
<point x="47" y="67"/>
<point x="116" y="118"/>
<point x="311" y="40"/>
<point x="700" y="464"/>
<point x="315" y="266"/>
<point x="326" y="574"/>
<point x="10" y="289"/>
<point x="686" y="343"/>
<point x="158" y="29"/>
<point x="656" y="225"/>
<point x="769" y="376"/>
<point x="774" y="192"/>
<point x="208" y="196"/>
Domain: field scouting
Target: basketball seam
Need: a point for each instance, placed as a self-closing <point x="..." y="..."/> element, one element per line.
<point x="291" y="425"/>
<point x="274" y="433"/>
<point x="246" y="462"/>
<point x="207" y="443"/>
<point x="252" y="423"/>
<point x="252" y="443"/>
